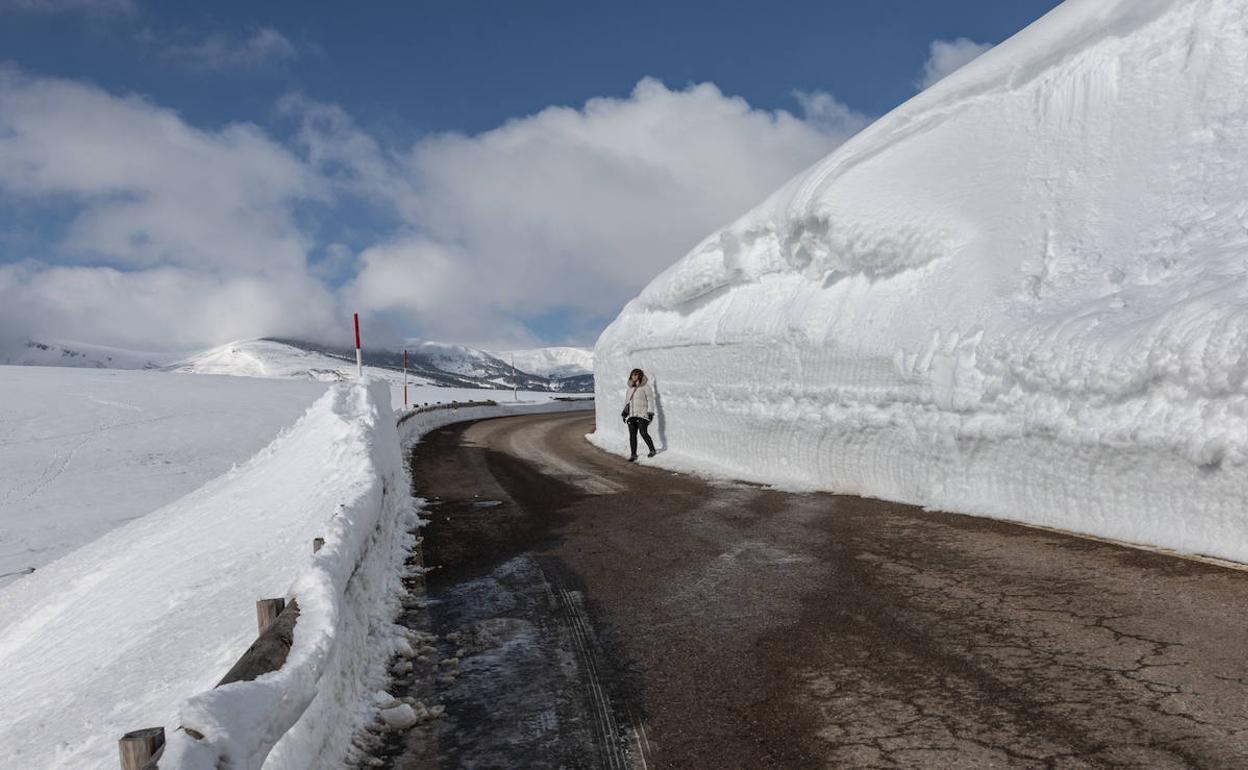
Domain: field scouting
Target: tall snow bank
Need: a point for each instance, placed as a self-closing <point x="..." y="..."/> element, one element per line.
<point x="1024" y="294"/>
<point x="344" y="480"/>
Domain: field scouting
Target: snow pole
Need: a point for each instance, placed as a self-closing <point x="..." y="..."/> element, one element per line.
<point x="359" y="357"/>
<point x="404" y="379"/>
<point x="515" y="381"/>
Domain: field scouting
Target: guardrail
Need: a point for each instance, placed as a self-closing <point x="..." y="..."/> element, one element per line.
<point x="275" y="621"/>
<point x="439" y="405"/>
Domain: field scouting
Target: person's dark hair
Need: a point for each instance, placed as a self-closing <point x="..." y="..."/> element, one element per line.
<point x="636" y="377"/>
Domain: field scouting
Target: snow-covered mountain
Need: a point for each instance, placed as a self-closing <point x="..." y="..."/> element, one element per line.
<point x="1024" y="293"/>
<point x="463" y="360"/>
<point x="554" y="362"/>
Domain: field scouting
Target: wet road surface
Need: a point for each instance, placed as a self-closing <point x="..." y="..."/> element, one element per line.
<point x="602" y="614"/>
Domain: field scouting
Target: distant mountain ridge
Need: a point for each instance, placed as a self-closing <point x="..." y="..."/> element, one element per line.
<point x="453" y="366"/>
<point x="554" y="362"/>
<point x="81" y="355"/>
<point x="433" y="363"/>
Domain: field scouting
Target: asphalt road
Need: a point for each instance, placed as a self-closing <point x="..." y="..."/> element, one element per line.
<point x="602" y="614"/>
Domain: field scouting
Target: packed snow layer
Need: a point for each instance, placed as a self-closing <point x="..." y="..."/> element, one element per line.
<point x="1024" y="294"/>
<point x="84" y="451"/>
<point x="555" y="362"/>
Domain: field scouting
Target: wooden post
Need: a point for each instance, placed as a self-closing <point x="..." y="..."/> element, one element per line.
<point x="267" y="611"/>
<point x="317" y="542"/>
<point x="268" y="652"/>
<point x="139" y="747"/>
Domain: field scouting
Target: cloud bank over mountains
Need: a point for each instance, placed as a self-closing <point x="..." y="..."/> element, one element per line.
<point x="128" y="226"/>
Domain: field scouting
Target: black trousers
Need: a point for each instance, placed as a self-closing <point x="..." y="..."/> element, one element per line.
<point x="636" y="425"/>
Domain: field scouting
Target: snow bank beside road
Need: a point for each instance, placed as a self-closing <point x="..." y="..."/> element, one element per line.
<point x="1022" y="294"/>
<point x="341" y="477"/>
<point x="114" y="636"/>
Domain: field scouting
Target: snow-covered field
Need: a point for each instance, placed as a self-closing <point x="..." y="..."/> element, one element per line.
<point x="83" y="451"/>
<point x="1022" y="294"/>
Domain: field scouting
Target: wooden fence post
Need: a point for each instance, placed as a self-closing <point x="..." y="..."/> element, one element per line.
<point x="267" y="611"/>
<point x="317" y="542"/>
<point x="137" y="748"/>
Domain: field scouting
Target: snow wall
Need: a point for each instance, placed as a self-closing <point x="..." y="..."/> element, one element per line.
<point x="304" y="715"/>
<point x="1022" y="294"/>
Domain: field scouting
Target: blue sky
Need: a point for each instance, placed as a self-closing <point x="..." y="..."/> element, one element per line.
<point x="414" y="143"/>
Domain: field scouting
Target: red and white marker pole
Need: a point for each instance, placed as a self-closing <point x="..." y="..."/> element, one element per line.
<point x="359" y="357"/>
<point x="404" y="378"/>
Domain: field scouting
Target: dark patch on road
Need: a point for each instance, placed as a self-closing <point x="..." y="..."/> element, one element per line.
<point x="465" y="537"/>
<point x="518" y="665"/>
<point x="738" y="626"/>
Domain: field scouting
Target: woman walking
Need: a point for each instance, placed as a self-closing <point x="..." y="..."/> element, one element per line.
<point x="638" y="412"/>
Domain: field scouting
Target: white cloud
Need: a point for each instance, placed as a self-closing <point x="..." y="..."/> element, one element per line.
<point x="167" y="308"/>
<point x="219" y="51"/>
<point x="826" y="113"/>
<point x="948" y="56"/>
<point x="182" y="237"/>
<point x="579" y="208"/>
<point x="179" y="236"/>
<point x="153" y="189"/>
<point x="352" y="160"/>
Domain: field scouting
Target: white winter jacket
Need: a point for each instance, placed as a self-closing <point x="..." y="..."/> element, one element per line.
<point x="640" y="400"/>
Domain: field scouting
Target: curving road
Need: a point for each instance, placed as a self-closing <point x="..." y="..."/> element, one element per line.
<point x="601" y="614"/>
